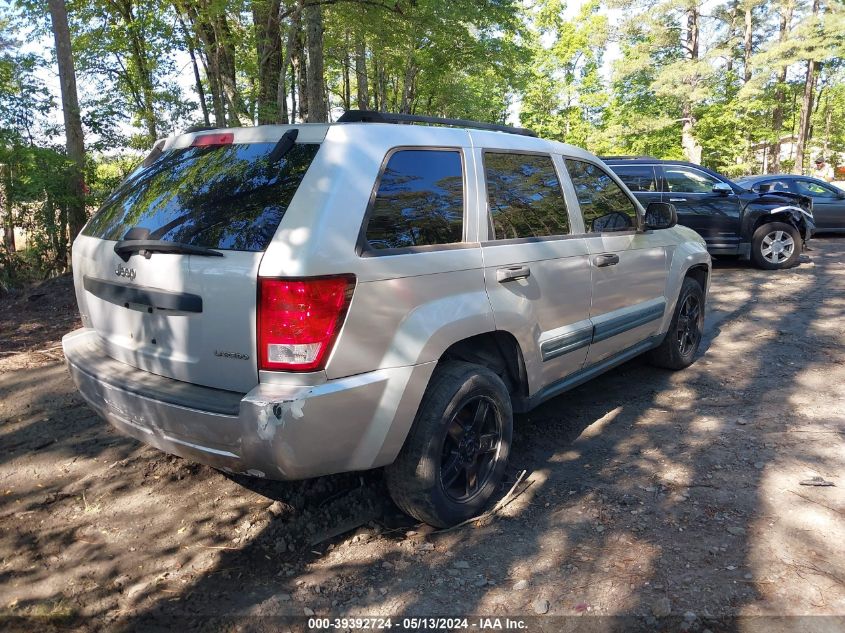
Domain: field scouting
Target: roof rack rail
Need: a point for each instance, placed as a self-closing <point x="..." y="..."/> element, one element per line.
<point x="371" y="116"/>
<point x="640" y="157"/>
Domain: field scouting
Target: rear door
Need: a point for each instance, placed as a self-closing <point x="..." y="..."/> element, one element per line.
<point x="536" y="271"/>
<point x="713" y="215"/>
<point x="188" y="316"/>
<point x="628" y="267"/>
<point x="828" y="203"/>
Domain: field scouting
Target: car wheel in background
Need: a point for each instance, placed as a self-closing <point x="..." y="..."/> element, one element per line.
<point x="776" y="245"/>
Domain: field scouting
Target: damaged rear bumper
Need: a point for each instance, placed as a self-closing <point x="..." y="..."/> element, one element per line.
<point x="274" y="431"/>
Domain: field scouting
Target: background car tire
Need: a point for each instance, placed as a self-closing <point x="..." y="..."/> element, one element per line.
<point x="771" y="231"/>
<point x="679" y="347"/>
<point x="415" y="480"/>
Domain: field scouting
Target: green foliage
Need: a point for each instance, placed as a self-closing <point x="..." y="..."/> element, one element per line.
<point x="655" y="77"/>
<point x="565" y="96"/>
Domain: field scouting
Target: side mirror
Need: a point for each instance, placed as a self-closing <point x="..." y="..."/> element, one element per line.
<point x="660" y="215"/>
<point x="723" y="188"/>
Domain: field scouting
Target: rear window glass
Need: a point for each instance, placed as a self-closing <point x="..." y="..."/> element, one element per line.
<point x="524" y="196"/>
<point x="219" y="196"/>
<point x="419" y="202"/>
<point x="637" y="178"/>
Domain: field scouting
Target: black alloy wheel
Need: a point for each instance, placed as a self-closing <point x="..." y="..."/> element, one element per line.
<point x="470" y="447"/>
<point x="689" y="325"/>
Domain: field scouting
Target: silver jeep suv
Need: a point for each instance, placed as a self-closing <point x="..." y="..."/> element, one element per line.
<point x="294" y="301"/>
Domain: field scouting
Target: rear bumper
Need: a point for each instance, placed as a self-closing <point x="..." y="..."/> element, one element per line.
<point x="274" y="431"/>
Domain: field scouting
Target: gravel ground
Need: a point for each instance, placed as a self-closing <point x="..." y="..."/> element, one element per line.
<point x="670" y="501"/>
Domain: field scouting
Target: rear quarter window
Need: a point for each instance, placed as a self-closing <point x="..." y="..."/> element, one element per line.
<point x="419" y="201"/>
<point x="638" y="178"/>
<point x="227" y="197"/>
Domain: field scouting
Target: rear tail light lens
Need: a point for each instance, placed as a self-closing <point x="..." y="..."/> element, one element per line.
<point x="299" y="319"/>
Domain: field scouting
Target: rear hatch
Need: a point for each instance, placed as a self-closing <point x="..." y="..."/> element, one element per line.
<point x="191" y="225"/>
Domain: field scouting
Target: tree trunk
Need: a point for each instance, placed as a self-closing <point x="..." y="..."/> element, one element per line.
<point x="748" y="42"/>
<point x="268" y="40"/>
<point x="729" y="63"/>
<point x="381" y="81"/>
<point x="282" y="100"/>
<point x="212" y="29"/>
<point x="206" y="44"/>
<point x="298" y="61"/>
<point x="317" y="110"/>
<point x="281" y="94"/>
<point x="189" y="42"/>
<point x="6" y="208"/>
<point x="806" y="108"/>
<point x="293" y="93"/>
<point x="217" y="102"/>
<point x="408" y="86"/>
<point x="61" y="239"/>
<point x="228" y="74"/>
<point x="72" y="118"/>
<point x="140" y="55"/>
<point x="361" y="74"/>
<point x="780" y="96"/>
<point x="691" y="147"/>
<point x="692" y="34"/>
<point x="806" y="115"/>
<point x="347" y="81"/>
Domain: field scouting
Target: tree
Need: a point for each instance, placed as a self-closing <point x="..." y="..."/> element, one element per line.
<point x="787" y="7"/>
<point x="807" y="102"/>
<point x="268" y="41"/>
<point x="564" y="97"/>
<point x="315" y="94"/>
<point x="72" y="118"/>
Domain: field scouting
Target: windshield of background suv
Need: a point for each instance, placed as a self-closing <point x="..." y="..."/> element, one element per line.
<point x="217" y="196"/>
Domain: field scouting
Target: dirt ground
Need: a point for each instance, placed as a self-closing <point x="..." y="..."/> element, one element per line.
<point x="649" y="494"/>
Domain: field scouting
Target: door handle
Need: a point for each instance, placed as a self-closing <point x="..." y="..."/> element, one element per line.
<point x="606" y="260"/>
<point x="511" y="273"/>
<point x="677" y="199"/>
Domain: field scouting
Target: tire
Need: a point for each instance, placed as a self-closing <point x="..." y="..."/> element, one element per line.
<point x="439" y="447"/>
<point x="678" y="349"/>
<point x="776" y="245"/>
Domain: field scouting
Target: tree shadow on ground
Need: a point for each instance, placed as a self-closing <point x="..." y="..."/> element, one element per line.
<point x="644" y="501"/>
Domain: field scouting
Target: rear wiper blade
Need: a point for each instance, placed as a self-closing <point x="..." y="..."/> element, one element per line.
<point x="283" y="146"/>
<point x="126" y="248"/>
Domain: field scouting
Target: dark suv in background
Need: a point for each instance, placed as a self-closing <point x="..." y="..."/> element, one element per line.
<point x="768" y="228"/>
<point x="828" y="200"/>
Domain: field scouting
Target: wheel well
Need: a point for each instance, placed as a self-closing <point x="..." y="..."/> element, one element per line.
<point x="784" y="217"/>
<point x="699" y="272"/>
<point x="498" y="351"/>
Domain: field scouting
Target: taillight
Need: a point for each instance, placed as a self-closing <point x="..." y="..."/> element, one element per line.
<point x="204" y="140"/>
<point x="299" y="319"/>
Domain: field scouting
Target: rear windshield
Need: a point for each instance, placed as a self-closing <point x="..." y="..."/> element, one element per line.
<point x="219" y="196"/>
